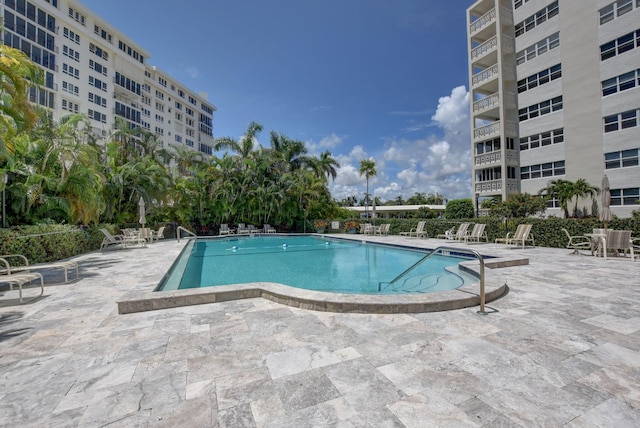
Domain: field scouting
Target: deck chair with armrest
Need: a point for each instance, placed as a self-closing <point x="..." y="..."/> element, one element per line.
<point x="242" y="229"/>
<point x="19" y="279"/>
<point x="23" y="265"/>
<point x="461" y="233"/>
<point x="477" y="233"/>
<point x="577" y="242"/>
<point x="269" y="229"/>
<point x="521" y="236"/>
<point x="224" y="229"/>
<point x="417" y="231"/>
<point x="159" y="234"/>
<point x="119" y="240"/>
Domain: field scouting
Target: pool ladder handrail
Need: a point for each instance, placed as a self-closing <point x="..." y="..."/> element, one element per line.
<point x="180" y="228"/>
<point x="457" y="250"/>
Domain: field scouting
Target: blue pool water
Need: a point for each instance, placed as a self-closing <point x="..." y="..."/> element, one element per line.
<point x="313" y="263"/>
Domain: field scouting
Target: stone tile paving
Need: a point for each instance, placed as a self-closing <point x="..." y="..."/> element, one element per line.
<point x="561" y="349"/>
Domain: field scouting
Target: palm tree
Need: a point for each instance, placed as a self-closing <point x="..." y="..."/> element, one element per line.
<point x="244" y="146"/>
<point x="368" y="169"/>
<point x="325" y="165"/>
<point x="582" y="189"/>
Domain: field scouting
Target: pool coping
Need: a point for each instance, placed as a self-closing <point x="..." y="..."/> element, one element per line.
<point x="463" y="297"/>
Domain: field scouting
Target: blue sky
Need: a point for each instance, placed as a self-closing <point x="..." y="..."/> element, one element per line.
<point x="374" y="79"/>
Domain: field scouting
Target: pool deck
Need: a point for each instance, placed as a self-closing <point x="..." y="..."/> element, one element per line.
<point x="562" y="348"/>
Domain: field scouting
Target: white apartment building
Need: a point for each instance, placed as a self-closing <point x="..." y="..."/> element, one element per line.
<point x="555" y="94"/>
<point x="92" y="68"/>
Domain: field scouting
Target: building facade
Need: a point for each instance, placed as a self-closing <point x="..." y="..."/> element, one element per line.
<point x="92" y="68"/>
<point x="555" y="94"/>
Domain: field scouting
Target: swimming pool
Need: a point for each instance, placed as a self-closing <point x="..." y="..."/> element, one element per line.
<point x="313" y="263"/>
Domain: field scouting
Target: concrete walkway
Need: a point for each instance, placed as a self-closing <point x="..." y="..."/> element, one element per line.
<point x="561" y="349"/>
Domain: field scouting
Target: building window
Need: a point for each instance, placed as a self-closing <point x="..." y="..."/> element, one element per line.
<point x="629" y="196"/>
<point x="71" y="53"/>
<point x="71" y="71"/>
<point x="540" y="109"/>
<point x="616" y="9"/>
<point x="543" y="139"/>
<point x="77" y="16"/>
<point x="621" y="83"/>
<point x="624" y="120"/>
<point x="97" y="116"/>
<point x="69" y="34"/>
<point x="205" y="149"/>
<point x="98" y="67"/>
<point x="537" y="49"/>
<point x="536" y="19"/>
<point x="537" y="79"/>
<point x="621" y="159"/>
<point x="548" y="169"/>
<point x="620" y="45"/>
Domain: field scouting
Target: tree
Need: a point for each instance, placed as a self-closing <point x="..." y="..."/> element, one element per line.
<point x="368" y="169"/>
<point x="459" y="208"/>
<point x="582" y="189"/>
<point x="562" y="191"/>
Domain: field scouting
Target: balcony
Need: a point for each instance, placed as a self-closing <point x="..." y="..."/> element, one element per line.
<point x="487" y="103"/>
<point x="487" y="159"/>
<point x="485" y="48"/>
<point x="488" y="130"/>
<point x="482" y="22"/>
<point x="485" y="75"/>
<point x="493" y="186"/>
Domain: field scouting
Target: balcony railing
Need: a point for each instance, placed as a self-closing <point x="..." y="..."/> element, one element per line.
<point x="489" y="186"/>
<point x="488" y="130"/>
<point x="482" y="22"/>
<point x="485" y="75"/>
<point x="487" y="103"/>
<point x="488" y="158"/>
<point x="484" y="48"/>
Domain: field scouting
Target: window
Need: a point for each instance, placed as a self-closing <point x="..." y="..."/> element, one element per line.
<point x="71" y="71"/>
<point x="629" y="196"/>
<point x="544" y="107"/>
<point x="624" y="120"/>
<point x="529" y="53"/>
<point x="548" y="169"/>
<point x="98" y="67"/>
<point x="620" y="45"/>
<point x="543" y="139"/>
<point x="621" y="159"/>
<point x="536" y="19"/>
<point x="97" y="116"/>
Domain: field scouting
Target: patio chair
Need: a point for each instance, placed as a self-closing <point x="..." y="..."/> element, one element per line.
<point x="268" y="228"/>
<point x="242" y="229"/>
<point x="448" y="234"/>
<point x="119" y="240"/>
<point x="20" y="279"/>
<point x="460" y="234"/>
<point x="477" y="233"/>
<point x="578" y="242"/>
<point x="521" y="236"/>
<point x="620" y="241"/>
<point x="418" y="231"/>
<point x="383" y="229"/>
<point x="224" y="229"/>
<point x="24" y="266"/>
<point x="159" y="234"/>
<point x="146" y="234"/>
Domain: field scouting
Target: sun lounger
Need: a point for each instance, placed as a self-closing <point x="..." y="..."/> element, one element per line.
<point x="27" y="268"/>
<point x="20" y="279"/>
<point x="417" y="232"/>
<point x="477" y="233"/>
<point x="119" y="240"/>
<point x="521" y="236"/>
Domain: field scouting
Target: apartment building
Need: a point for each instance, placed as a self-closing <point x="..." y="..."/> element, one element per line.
<point x="92" y="68"/>
<point x="555" y="94"/>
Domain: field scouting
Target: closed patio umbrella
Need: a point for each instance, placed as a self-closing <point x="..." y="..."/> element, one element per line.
<point x="143" y="219"/>
<point x="605" y="213"/>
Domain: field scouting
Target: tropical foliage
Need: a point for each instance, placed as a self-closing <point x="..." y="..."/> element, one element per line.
<point x="564" y="191"/>
<point x="459" y="208"/>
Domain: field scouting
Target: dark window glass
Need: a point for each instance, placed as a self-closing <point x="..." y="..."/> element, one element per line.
<point x="611" y="123"/>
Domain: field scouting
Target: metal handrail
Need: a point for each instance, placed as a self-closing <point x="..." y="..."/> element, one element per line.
<point x="179" y="228"/>
<point x="457" y="250"/>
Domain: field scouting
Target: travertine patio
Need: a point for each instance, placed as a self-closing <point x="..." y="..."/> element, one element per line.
<point x="562" y="348"/>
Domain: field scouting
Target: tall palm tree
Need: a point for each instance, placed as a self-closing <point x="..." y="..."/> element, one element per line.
<point x="368" y="169"/>
<point x="325" y="165"/>
<point x="582" y="189"/>
<point x="244" y="146"/>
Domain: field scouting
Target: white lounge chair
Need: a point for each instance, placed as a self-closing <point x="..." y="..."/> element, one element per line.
<point x="268" y="228"/>
<point x="159" y="234"/>
<point x="242" y="229"/>
<point x="521" y="236"/>
<point x="383" y="229"/>
<point x="417" y="232"/>
<point x="620" y="241"/>
<point x="119" y="240"/>
<point x="477" y="233"/>
<point x="27" y="268"/>
<point x="20" y="279"/>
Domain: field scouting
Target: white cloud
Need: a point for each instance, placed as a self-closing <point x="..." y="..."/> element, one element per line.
<point x="439" y="162"/>
<point x="330" y="142"/>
